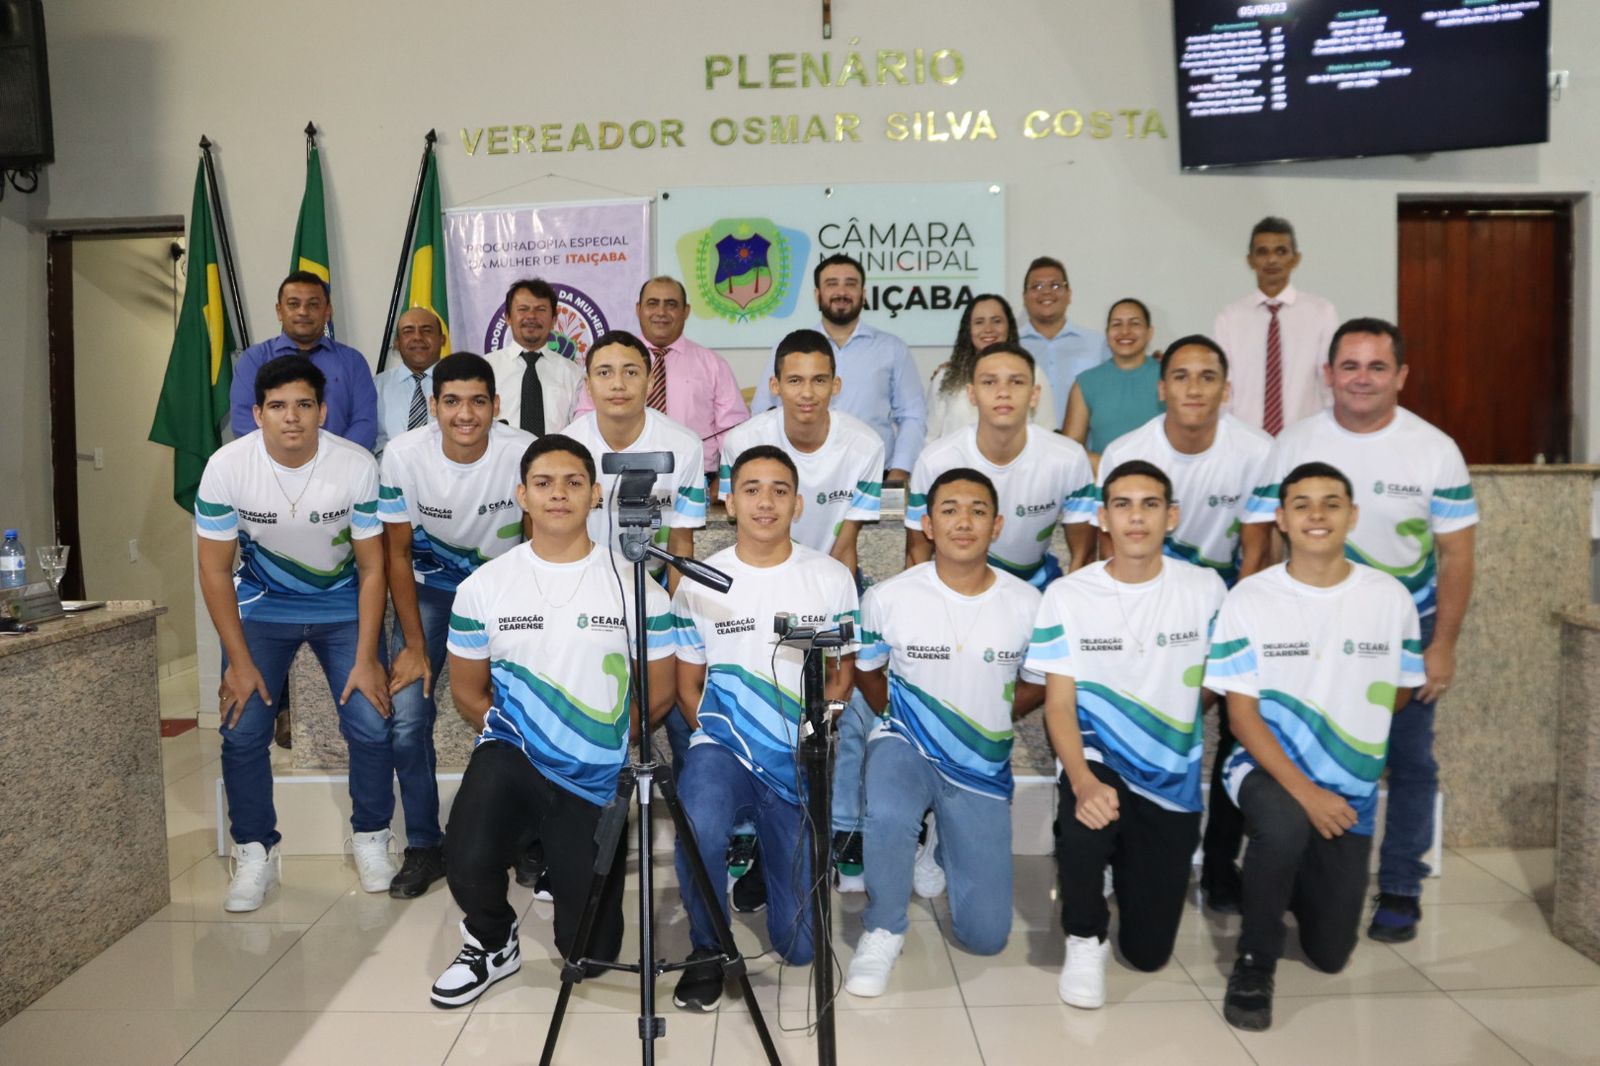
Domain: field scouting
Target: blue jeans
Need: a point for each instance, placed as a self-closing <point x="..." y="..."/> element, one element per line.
<point x="415" y="760"/>
<point x="718" y="793"/>
<point x="246" y="748"/>
<point x="974" y="846"/>
<point x="849" y="788"/>
<point x="1413" y="786"/>
<point x="678" y="734"/>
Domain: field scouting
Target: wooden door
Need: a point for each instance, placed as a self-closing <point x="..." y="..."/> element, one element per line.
<point x="1486" y="311"/>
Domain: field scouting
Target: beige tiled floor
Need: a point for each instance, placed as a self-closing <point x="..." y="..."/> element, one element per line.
<point x="325" y="973"/>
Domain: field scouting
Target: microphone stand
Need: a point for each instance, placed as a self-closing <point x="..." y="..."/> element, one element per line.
<point x="639" y="515"/>
<point x="813" y="641"/>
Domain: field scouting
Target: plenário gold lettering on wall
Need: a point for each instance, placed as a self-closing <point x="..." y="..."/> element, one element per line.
<point x="933" y="117"/>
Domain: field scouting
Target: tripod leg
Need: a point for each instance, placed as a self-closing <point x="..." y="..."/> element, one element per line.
<point x="733" y="963"/>
<point x="613" y="821"/>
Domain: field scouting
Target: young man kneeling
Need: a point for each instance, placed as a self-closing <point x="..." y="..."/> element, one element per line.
<point x="742" y="697"/>
<point x="540" y="648"/>
<point x="952" y="634"/>
<point x="1313" y="655"/>
<point x="1124" y="644"/>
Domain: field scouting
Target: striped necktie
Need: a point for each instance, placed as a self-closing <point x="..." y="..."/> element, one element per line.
<point x="658" y="381"/>
<point x="419" y="405"/>
<point x="1272" y="405"/>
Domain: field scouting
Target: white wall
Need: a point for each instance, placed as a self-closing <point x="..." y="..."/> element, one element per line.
<point x="136" y="83"/>
<point x="124" y="298"/>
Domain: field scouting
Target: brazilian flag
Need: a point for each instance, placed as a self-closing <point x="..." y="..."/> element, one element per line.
<point x="310" y="250"/>
<point x="427" y="287"/>
<point x="194" y="397"/>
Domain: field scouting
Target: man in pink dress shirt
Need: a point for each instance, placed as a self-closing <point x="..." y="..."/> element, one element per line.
<point x="700" y="390"/>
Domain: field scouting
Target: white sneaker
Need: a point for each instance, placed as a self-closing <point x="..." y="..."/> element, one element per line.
<point x="254" y="870"/>
<point x="475" y="969"/>
<point x="927" y="876"/>
<point x="373" y="861"/>
<point x="1083" y="975"/>
<point x="874" y="958"/>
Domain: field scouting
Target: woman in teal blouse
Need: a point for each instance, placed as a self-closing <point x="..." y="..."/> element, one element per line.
<point x="1119" y="396"/>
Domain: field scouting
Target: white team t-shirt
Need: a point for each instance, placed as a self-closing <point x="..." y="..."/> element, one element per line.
<point x="1136" y="654"/>
<point x="842" y="481"/>
<point x="745" y="707"/>
<point x="1410" y="483"/>
<point x="681" y="493"/>
<point x="1212" y="489"/>
<point x="299" y="566"/>
<point x="559" y="638"/>
<point x="461" y="514"/>
<point x="1049" y="480"/>
<point x="953" y="661"/>
<point x="1325" y="664"/>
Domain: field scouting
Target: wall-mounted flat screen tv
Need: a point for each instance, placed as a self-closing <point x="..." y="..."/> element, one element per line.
<point x="1321" y="79"/>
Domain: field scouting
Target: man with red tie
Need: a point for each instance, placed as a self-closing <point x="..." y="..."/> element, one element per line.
<point x="1277" y="337"/>
<point x="691" y="384"/>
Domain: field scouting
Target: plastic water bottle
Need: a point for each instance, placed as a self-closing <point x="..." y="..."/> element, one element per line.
<point x="13" y="562"/>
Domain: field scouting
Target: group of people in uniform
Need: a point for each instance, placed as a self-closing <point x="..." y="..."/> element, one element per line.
<point x="492" y="535"/>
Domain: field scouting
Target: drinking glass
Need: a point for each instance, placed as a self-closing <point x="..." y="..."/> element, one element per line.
<point x="53" y="561"/>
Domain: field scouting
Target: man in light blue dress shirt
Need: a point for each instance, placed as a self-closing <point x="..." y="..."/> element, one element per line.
<point x="304" y="309"/>
<point x="1060" y="349"/>
<point x="402" y="395"/>
<point x="879" y="380"/>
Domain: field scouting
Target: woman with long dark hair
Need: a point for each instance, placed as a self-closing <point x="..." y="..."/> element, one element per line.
<point x="987" y="320"/>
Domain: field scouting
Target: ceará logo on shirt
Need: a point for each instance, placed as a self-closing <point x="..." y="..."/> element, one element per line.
<point x="605" y="623"/>
<point x="1394" y="488"/>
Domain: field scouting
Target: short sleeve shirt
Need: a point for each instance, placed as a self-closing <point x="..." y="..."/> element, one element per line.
<point x="1325" y="664"/>
<point x="1136" y="655"/>
<point x="1410" y="482"/>
<point x="1212" y="489"/>
<point x="461" y="514"/>
<point x="752" y="704"/>
<point x="295" y="526"/>
<point x="1049" y="481"/>
<point x="559" y="679"/>
<point x="954" y="662"/>
<point x="840" y="482"/>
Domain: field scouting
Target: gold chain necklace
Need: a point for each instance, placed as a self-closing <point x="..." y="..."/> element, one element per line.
<point x="294" y="504"/>
<point x="945" y="592"/>
<point x="544" y="600"/>
<point x="1127" y="624"/>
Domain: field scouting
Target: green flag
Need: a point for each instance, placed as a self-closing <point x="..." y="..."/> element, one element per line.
<point x="427" y="254"/>
<point x="311" y="231"/>
<point x="194" y="396"/>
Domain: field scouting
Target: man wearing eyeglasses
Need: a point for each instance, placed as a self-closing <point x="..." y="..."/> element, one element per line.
<point x="1061" y="349"/>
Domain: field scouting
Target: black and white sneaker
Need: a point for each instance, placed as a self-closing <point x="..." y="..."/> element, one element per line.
<point x="541" y="888"/>
<point x="700" y="985"/>
<point x="475" y="969"/>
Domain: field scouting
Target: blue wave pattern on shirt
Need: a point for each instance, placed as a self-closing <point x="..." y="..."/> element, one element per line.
<point x="756" y="720"/>
<point x="962" y="752"/>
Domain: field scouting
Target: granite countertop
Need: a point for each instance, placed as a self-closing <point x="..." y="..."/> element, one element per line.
<point x="1586" y="469"/>
<point x="1586" y="616"/>
<point x="114" y="614"/>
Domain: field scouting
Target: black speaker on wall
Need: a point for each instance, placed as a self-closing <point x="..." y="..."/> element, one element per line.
<point x="26" y="139"/>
